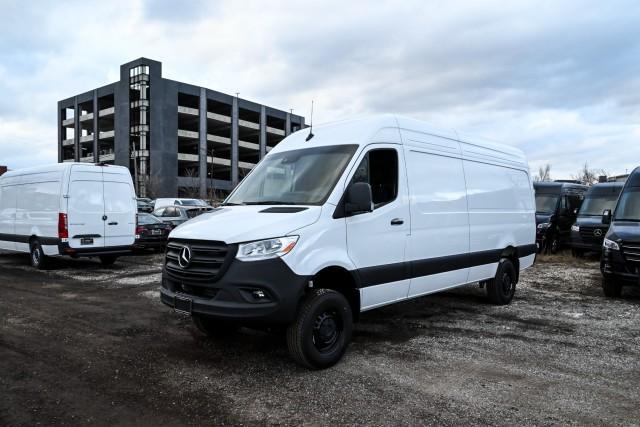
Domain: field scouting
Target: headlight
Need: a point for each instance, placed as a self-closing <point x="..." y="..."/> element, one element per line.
<point x="610" y="244"/>
<point x="266" y="249"/>
<point x="544" y="225"/>
<point x="575" y="228"/>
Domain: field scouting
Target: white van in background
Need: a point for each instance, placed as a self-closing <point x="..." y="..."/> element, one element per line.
<point x="349" y="217"/>
<point x="74" y="209"/>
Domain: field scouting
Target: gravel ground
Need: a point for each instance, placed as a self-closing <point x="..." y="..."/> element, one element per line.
<point x="86" y="344"/>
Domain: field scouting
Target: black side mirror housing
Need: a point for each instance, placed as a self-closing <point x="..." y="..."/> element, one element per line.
<point x="606" y="216"/>
<point x="359" y="199"/>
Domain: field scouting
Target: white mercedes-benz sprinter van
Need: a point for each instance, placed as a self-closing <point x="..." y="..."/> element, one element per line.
<point x="362" y="214"/>
<point x="74" y="209"/>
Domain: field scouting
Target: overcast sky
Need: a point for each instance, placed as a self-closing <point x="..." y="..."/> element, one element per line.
<point x="560" y="80"/>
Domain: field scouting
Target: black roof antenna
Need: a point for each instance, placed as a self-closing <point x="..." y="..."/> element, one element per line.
<point x="311" y="126"/>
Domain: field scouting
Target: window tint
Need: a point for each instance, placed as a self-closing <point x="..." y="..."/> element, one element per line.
<point x="159" y="212"/>
<point x="118" y="197"/>
<point x="379" y="168"/>
<point x="144" y="219"/>
<point x="170" y="211"/>
<point x="574" y="202"/>
<point x="86" y="197"/>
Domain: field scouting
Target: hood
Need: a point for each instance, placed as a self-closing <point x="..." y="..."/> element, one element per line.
<point x="540" y="218"/>
<point x="627" y="231"/>
<point x="593" y="221"/>
<point x="233" y="224"/>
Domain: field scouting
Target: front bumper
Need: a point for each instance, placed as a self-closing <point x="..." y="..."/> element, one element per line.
<point x="592" y="244"/>
<point x="233" y="296"/>
<point x="614" y="266"/>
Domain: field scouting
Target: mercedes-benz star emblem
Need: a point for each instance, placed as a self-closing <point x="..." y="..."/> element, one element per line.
<point x="597" y="232"/>
<point x="185" y="257"/>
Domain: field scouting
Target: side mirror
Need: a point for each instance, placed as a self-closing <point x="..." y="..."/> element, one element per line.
<point x="359" y="199"/>
<point x="606" y="216"/>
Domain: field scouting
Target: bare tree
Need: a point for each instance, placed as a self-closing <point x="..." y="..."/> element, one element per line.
<point x="544" y="173"/>
<point x="192" y="189"/>
<point x="588" y="175"/>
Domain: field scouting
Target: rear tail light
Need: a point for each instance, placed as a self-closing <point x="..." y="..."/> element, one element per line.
<point x="63" y="226"/>
<point x="139" y="229"/>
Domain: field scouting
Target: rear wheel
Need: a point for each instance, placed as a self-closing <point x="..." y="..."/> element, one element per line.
<point x="321" y="332"/>
<point x="500" y="290"/>
<point x="611" y="288"/>
<point x="107" y="260"/>
<point x="213" y="327"/>
<point x="554" y="244"/>
<point x="37" y="257"/>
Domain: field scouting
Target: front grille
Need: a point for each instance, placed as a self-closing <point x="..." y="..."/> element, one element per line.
<point x="208" y="260"/>
<point x="631" y="253"/>
<point x="586" y="232"/>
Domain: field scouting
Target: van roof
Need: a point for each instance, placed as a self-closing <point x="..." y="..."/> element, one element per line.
<point x="388" y="128"/>
<point x="552" y="187"/>
<point x="55" y="167"/>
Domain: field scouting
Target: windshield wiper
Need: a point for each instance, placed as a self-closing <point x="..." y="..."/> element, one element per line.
<point x="232" y="204"/>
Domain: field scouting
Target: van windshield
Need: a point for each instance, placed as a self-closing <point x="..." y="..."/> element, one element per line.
<point x="594" y="205"/>
<point x="546" y="203"/>
<point x="296" y="177"/>
<point x="629" y="205"/>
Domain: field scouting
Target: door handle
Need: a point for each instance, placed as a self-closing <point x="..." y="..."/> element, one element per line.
<point x="113" y="223"/>
<point x="104" y="217"/>
<point x="397" y="221"/>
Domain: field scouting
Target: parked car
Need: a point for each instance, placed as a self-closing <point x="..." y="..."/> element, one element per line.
<point x="557" y="204"/>
<point x="355" y="216"/>
<point x="151" y="232"/>
<point x="176" y="215"/>
<point x="145" y="205"/>
<point x="588" y="232"/>
<point x="75" y="209"/>
<point x="620" y="261"/>
<point x="160" y="203"/>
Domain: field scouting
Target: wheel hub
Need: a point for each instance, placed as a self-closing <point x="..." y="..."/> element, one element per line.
<point x="507" y="284"/>
<point x="326" y="331"/>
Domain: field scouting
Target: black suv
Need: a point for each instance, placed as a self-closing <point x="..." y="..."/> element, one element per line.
<point x="557" y="203"/>
<point x="620" y="261"/>
<point x="588" y="231"/>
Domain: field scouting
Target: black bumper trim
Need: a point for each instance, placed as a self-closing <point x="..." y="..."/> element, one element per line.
<point x="230" y="297"/>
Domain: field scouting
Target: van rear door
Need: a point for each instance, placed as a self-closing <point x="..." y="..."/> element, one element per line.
<point x="120" y="208"/>
<point x="85" y="207"/>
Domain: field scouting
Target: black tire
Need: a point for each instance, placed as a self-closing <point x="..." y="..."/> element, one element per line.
<point x="107" y="260"/>
<point x="322" y="330"/>
<point x="611" y="288"/>
<point x="554" y="245"/>
<point x="37" y="258"/>
<point x="500" y="290"/>
<point x="214" y="328"/>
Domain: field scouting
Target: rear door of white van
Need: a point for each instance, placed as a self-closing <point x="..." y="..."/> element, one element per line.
<point x="120" y="207"/>
<point x="85" y="207"/>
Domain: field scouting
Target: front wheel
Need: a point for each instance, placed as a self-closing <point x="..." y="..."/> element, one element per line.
<point x="37" y="257"/>
<point x="500" y="289"/>
<point x="321" y="332"/>
<point x="107" y="260"/>
<point x="611" y="288"/>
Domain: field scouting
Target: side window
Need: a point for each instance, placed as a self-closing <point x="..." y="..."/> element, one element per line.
<point x="379" y="168"/>
<point x="170" y="212"/>
<point x="575" y="202"/>
<point x="159" y="212"/>
<point x="563" y="202"/>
